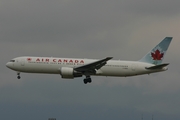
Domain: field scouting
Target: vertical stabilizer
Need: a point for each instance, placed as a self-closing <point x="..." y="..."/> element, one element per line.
<point x="156" y="55"/>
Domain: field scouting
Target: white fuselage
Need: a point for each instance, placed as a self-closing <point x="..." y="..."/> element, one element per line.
<point x="53" y="65"/>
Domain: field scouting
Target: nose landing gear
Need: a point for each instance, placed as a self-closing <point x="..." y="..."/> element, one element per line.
<point x="18" y="76"/>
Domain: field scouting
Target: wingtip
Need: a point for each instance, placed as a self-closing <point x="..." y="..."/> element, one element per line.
<point x="109" y="58"/>
<point x="169" y="38"/>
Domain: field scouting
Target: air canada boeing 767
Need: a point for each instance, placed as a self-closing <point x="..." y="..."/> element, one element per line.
<point x="70" y="68"/>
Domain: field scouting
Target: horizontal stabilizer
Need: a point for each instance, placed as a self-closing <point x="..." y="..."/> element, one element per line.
<point x="157" y="66"/>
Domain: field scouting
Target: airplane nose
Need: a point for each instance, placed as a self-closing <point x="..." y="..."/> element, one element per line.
<point x="8" y="65"/>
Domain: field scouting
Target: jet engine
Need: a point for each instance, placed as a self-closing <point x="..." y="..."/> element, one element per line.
<point x="69" y="73"/>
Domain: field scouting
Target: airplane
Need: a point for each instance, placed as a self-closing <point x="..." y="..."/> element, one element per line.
<point x="70" y="68"/>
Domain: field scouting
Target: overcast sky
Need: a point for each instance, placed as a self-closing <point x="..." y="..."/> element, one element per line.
<point x="125" y="30"/>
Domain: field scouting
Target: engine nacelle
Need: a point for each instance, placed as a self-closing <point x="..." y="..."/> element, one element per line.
<point x="67" y="72"/>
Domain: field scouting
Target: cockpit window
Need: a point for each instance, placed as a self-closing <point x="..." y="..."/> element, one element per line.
<point x="12" y="60"/>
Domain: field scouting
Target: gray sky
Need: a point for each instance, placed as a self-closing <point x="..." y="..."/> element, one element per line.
<point x="125" y="30"/>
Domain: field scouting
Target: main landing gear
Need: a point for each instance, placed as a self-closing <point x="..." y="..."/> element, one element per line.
<point x="87" y="80"/>
<point x="18" y="76"/>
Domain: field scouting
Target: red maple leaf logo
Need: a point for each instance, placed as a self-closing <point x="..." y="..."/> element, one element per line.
<point x="29" y="59"/>
<point x="157" y="55"/>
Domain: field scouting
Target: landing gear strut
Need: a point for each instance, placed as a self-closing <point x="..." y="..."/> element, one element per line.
<point x="18" y="75"/>
<point x="87" y="80"/>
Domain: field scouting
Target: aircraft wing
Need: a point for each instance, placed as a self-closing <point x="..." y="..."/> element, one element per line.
<point x="92" y="67"/>
<point x="158" y="66"/>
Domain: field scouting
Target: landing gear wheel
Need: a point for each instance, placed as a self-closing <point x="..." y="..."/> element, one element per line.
<point x="18" y="77"/>
<point x="87" y="80"/>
